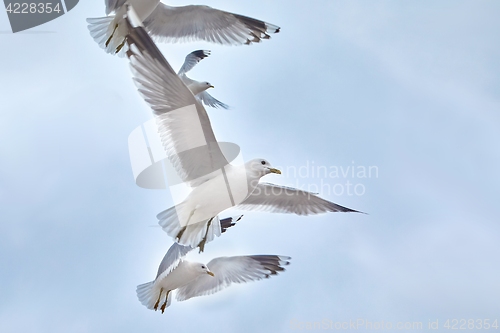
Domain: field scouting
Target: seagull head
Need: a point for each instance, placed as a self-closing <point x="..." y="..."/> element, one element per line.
<point x="198" y="87"/>
<point x="262" y="167"/>
<point x="203" y="269"/>
<point x="207" y="85"/>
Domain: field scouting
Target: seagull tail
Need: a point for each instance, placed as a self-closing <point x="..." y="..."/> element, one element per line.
<point x="194" y="233"/>
<point x="145" y="295"/>
<point x="150" y="296"/>
<point x="109" y="34"/>
<point x="169" y="221"/>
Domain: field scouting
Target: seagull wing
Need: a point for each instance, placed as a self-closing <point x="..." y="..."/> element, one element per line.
<point x="211" y="101"/>
<point x="281" y="199"/>
<point x="229" y="270"/>
<point x="192" y="59"/>
<point x="183" y="123"/>
<point x="205" y="23"/>
<point x="171" y="259"/>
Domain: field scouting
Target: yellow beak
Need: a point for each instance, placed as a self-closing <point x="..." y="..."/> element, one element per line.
<point x="210" y="273"/>
<point x="212" y="87"/>
<point x="273" y="170"/>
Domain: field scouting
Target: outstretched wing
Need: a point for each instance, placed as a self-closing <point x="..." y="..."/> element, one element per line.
<point x="281" y="199"/>
<point x="183" y="123"/>
<point x="229" y="270"/>
<point x="211" y="101"/>
<point x="205" y="23"/>
<point x="229" y="222"/>
<point x="192" y="59"/>
<point x="171" y="259"/>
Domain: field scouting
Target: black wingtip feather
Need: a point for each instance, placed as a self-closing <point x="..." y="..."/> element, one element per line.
<point x="202" y="54"/>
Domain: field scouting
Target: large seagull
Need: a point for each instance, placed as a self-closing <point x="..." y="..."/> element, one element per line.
<point x="171" y="24"/>
<point x="190" y="279"/>
<point x="191" y="146"/>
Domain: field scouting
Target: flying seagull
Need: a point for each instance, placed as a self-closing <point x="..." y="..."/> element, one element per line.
<point x="191" y="146"/>
<point x="199" y="89"/>
<point x="192" y="279"/>
<point x="172" y="24"/>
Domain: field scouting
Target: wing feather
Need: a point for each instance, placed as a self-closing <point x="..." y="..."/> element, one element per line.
<point x="228" y="270"/>
<point x="171" y="259"/>
<point x="183" y="124"/>
<point x="281" y="199"/>
<point x="192" y="59"/>
<point x="211" y="101"/>
<point x="196" y="22"/>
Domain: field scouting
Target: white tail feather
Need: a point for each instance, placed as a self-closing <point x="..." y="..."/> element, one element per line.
<point x="148" y="296"/>
<point x="169" y="221"/>
<point x="194" y="233"/>
<point x="101" y="28"/>
<point x="145" y="294"/>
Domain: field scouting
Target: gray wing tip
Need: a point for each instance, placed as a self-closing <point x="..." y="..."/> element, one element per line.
<point x="272" y="263"/>
<point x="348" y="210"/>
<point x="333" y="207"/>
<point x="221" y="106"/>
<point x="271" y="28"/>
<point x="285" y="258"/>
<point x="258" y="30"/>
<point x="229" y="222"/>
<point x="202" y="54"/>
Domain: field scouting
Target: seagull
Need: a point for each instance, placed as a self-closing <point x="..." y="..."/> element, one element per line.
<point x="191" y="146"/>
<point x="192" y="279"/>
<point x="171" y="24"/>
<point x="199" y="89"/>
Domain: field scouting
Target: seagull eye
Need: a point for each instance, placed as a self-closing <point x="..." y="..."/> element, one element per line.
<point x="202" y="266"/>
<point x="263" y="162"/>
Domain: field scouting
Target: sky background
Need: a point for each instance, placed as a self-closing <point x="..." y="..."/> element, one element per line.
<point x="410" y="87"/>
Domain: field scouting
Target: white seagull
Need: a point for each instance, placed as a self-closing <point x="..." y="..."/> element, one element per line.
<point x="171" y="24"/>
<point x="199" y="89"/>
<point x="192" y="279"/>
<point x="192" y="148"/>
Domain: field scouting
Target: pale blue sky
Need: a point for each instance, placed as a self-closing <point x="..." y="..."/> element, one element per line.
<point x="409" y="87"/>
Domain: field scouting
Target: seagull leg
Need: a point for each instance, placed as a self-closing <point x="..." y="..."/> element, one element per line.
<point x="119" y="47"/>
<point x="158" y="301"/>
<point x="204" y="239"/>
<point x="165" y="303"/>
<point x="191" y="215"/>
<point x="112" y="34"/>
<point x="179" y="235"/>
